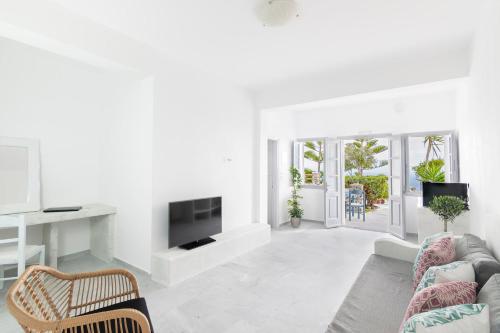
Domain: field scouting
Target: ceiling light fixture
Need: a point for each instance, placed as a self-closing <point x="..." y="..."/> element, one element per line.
<point x="274" y="13"/>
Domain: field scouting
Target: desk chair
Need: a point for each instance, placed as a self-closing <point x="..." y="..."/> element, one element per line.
<point x="14" y="251"/>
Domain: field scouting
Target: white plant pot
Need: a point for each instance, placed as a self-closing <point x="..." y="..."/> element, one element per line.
<point x="295" y="221"/>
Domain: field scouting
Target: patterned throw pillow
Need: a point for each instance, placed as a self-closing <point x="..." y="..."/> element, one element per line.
<point x="463" y="318"/>
<point x="425" y="244"/>
<point x="438" y="253"/>
<point x="455" y="271"/>
<point x="440" y="296"/>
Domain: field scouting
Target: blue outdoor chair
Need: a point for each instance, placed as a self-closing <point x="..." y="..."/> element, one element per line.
<point x="356" y="203"/>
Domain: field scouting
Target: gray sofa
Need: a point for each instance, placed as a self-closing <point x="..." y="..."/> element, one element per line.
<point x="378" y="299"/>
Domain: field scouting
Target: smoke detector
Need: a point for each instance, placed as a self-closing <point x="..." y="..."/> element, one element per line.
<point x="274" y="13"/>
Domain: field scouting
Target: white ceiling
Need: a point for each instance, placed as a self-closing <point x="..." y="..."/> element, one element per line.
<point x="224" y="37"/>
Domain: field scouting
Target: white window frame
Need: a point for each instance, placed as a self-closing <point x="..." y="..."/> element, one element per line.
<point x="298" y="160"/>
<point x="452" y="158"/>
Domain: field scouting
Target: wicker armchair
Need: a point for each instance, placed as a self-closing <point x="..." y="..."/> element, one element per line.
<point x="45" y="300"/>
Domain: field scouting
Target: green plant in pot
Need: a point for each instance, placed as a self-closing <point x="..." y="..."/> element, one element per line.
<point x="431" y="171"/>
<point x="447" y="207"/>
<point x="294" y="209"/>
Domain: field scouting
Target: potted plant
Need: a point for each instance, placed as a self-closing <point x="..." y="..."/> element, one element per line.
<point x="294" y="209"/>
<point x="447" y="207"/>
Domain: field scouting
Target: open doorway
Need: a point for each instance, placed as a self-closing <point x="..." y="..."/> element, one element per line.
<point x="366" y="174"/>
<point x="373" y="166"/>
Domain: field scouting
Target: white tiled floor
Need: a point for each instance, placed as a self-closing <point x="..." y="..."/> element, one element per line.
<point x="294" y="284"/>
<point x="376" y="219"/>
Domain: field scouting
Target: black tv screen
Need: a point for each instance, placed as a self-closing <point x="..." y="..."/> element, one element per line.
<point x="430" y="190"/>
<point x="192" y="222"/>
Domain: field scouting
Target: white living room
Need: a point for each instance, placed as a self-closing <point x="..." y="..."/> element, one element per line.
<point x="249" y="166"/>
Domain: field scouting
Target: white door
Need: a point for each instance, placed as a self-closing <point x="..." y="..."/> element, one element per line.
<point x="333" y="178"/>
<point x="451" y="158"/>
<point x="396" y="185"/>
<point x="272" y="183"/>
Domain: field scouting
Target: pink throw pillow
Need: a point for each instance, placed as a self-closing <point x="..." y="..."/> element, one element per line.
<point x="440" y="296"/>
<point x="438" y="253"/>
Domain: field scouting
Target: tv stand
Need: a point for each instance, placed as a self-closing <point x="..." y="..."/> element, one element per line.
<point x="198" y="243"/>
<point x="174" y="265"/>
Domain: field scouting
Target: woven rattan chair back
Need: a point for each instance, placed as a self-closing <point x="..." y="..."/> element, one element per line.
<point x="45" y="300"/>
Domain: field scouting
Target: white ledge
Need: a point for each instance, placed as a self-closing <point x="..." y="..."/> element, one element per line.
<point x="175" y="265"/>
<point x="396" y="249"/>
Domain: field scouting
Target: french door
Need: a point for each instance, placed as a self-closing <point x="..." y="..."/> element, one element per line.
<point x="333" y="181"/>
<point x="396" y="186"/>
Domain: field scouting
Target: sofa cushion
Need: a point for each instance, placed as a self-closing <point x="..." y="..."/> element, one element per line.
<point x="465" y="318"/>
<point x="473" y="249"/>
<point x="138" y="304"/>
<point x="455" y="271"/>
<point x="438" y="253"/>
<point x="383" y="289"/>
<point x="425" y="244"/>
<point x="490" y="294"/>
<point x="440" y="296"/>
<point x="469" y="244"/>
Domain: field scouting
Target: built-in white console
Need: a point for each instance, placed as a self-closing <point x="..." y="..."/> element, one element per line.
<point x="175" y="265"/>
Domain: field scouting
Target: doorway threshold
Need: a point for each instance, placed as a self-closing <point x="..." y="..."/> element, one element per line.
<point x="367" y="226"/>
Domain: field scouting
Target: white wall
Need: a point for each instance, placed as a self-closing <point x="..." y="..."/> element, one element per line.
<point x="400" y="70"/>
<point x="313" y="202"/>
<point x="406" y="114"/>
<point x="277" y="126"/>
<point x="204" y="136"/>
<point x="479" y="134"/>
<point x="126" y="173"/>
<point x="93" y="138"/>
<point x="59" y="103"/>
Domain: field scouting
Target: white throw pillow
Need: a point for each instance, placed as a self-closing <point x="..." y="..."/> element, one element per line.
<point x="455" y="271"/>
<point x="463" y="272"/>
<point x="465" y="318"/>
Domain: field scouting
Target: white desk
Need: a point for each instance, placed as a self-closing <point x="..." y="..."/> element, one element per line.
<point x="101" y="229"/>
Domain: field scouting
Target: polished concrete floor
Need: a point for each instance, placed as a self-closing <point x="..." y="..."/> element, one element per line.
<point x="294" y="284"/>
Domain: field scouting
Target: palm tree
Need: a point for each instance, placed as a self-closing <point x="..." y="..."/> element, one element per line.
<point x="360" y="155"/>
<point x="433" y="144"/>
<point x="315" y="152"/>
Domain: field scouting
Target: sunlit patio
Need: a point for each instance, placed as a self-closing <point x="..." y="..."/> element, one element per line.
<point x="375" y="219"/>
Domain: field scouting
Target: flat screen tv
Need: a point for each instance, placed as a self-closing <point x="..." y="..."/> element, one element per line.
<point x="192" y="222"/>
<point x="430" y="190"/>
